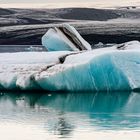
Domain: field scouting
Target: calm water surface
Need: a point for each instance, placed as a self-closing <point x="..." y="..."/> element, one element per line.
<point x="44" y="116"/>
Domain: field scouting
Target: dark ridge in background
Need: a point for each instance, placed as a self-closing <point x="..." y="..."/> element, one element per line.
<point x="27" y="26"/>
<point x="10" y="17"/>
<point x="6" y="12"/>
<point x="89" y="14"/>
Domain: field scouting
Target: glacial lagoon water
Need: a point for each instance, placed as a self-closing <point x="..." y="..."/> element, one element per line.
<point x="52" y="116"/>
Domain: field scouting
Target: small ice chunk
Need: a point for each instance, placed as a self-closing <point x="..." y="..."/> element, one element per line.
<point x="64" y="38"/>
<point x="128" y="45"/>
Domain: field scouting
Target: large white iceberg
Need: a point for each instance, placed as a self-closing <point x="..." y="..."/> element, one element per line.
<point x="106" y="69"/>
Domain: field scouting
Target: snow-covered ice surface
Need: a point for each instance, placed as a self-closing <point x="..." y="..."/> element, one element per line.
<point x="104" y="69"/>
<point x="17" y="69"/>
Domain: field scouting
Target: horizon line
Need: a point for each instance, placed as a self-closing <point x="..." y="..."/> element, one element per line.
<point x="64" y="5"/>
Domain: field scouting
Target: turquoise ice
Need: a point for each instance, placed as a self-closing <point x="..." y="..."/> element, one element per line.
<point x="109" y="71"/>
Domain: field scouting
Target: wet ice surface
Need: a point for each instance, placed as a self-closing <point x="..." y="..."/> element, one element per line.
<point x="42" y="116"/>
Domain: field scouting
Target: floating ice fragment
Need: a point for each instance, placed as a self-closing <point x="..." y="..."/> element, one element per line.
<point x="65" y="37"/>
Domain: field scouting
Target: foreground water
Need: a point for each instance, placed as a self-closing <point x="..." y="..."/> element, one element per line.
<point x="43" y="116"/>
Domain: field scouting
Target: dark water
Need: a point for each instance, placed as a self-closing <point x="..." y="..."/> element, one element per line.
<point x="38" y="48"/>
<point x="21" y="48"/>
<point x="43" y="116"/>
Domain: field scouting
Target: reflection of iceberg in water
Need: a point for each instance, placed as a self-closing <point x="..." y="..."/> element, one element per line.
<point x="58" y="113"/>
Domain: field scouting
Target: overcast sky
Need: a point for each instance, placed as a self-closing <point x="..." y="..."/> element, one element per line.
<point x="68" y="3"/>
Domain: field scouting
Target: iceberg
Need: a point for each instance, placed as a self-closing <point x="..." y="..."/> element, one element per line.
<point x="104" y="69"/>
<point x="63" y="38"/>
